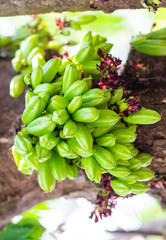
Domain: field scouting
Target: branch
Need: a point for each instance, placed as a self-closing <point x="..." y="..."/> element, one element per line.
<point x="23" y="7"/>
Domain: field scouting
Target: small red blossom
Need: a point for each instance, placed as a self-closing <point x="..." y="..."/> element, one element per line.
<point x="62" y="24"/>
<point x="34" y="17"/>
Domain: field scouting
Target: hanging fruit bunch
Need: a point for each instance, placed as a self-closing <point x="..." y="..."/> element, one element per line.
<point x="153" y="43"/>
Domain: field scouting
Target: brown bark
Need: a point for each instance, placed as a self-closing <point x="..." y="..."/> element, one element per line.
<point x="22" y="7"/>
<point x="19" y="192"/>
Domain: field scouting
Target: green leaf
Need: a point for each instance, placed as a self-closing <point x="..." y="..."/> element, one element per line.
<point x="15" y="232"/>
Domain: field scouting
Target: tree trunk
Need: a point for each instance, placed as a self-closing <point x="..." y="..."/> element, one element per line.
<point x="19" y="192"/>
<point x="22" y="7"/>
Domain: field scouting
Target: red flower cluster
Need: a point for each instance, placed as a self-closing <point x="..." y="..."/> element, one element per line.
<point x="62" y="24"/>
<point x="106" y="198"/>
<point x="108" y="70"/>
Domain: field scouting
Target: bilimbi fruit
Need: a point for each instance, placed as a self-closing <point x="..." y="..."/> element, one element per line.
<point x="70" y="125"/>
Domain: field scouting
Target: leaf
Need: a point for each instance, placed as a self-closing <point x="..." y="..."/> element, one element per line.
<point x="15" y="232"/>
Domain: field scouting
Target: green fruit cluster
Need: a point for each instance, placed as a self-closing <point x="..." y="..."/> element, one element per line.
<point x="68" y="124"/>
<point x="153" y="43"/>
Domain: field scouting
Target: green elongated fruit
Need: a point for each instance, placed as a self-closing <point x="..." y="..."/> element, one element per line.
<point x="92" y="168"/>
<point x="31" y="160"/>
<point x="135" y="164"/>
<point x="119" y="171"/>
<point x="125" y="163"/>
<point x="70" y="129"/>
<point x="20" y="163"/>
<point x="120" y="152"/>
<point x="134" y="151"/>
<point x="105" y="47"/>
<point x="22" y="144"/>
<point x="144" y="174"/>
<point x="76" y="89"/>
<point x="60" y="116"/>
<point x="75" y="146"/>
<point x="50" y="69"/>
<point x="154" y="47"/>
<point x="92" y="97"/>
<point x="85" y="51"/>
<point x="34" y="51"/>
<point x="138" y="188"/>
<point x="119" y="125"/>
<point x="98" y="39"/>
<point x="89" y="115"/>
<point x="124" y="135"/>
<point x="49" y="141"/>
<point x="107" y="118"/>
<point x="100" y="131"/>
<point x="145" y="158"/>
<point x="75" y="104"/>
<point x="33" y="110"/>
<point x="90" y="66"/>
<point x="41" y="126"/>
<point x="36" y="76"/>
<point x="63" y="66"/>
<point x="28" y="44"/>
<point x="130" y="179"/>
<point x="107" y="94"/>
<point x="16" y="86"/>
<point x="70" y="76"/>
<point x="61" y="134"/>
<point x="28" y="97"/>
<point x="108" y="140"/>
<point x="58" y="166"/>
<point x="57" y="102"/>
<point x="104" y="157"/>
<point x="84" y="19"/>
<point x="50" y="88"/>
<point x="45" y="178"/>
<point x="64" y="150"/>
<point x="84" y="137"/>
<point x="143" y="116"/>
<point x="159" y="34"/>
<point x="16" y="64"/>
<point x="88" y="37"/>
<point x="91" y="128"/>
<point x="42" y="153"/>
<point x="38" y="60"/>
<point x="71" y="170"/>
<point x="116" y="96"/>
<point x="120" y="187"/>
<point x="138" y="39"/>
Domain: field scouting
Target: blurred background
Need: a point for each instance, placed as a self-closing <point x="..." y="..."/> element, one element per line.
<point x="138" y="218"/>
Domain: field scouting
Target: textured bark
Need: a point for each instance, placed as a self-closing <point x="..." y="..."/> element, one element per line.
<point x="19" y="192"/>
<point x="22" y="7"/>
